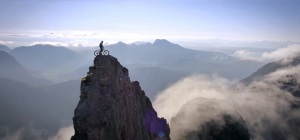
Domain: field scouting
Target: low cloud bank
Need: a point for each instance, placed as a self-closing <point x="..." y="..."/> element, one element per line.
<point x="246" y="55"/>
<point x="64" y="133"/>
<point x="6" y="42"/>
<point x="263" y="105"/>
<point x="75" y="43"/>
<point x="291" y="51"/>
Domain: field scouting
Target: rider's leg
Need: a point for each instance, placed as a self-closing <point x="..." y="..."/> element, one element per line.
<point x="101" y="50"/>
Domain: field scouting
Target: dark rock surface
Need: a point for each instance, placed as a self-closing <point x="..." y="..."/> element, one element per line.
<point x="111" y="107"/>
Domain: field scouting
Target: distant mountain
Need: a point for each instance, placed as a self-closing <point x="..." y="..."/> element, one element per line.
<point x="65" y="96"/>
<point x="138" y="43"/>
<point x="47" y="58"/>
<point x="22" y="106"/>
<point x="154" y="79"/>
<point x="6" y="60"/>
<point x="39" y="111"/>
<point x="238" y="70"/>
<point x="162" y="52"/>
<point x="161" y="63"/>
<point x="288" y="81"/>
<point x="167" y="55"/>
<point x="4" y="48"/>
<point x="284" y="75"/>
<point x="10" y="68"/>
<point x="56" y="62"/>
<point x="272" y="67"/>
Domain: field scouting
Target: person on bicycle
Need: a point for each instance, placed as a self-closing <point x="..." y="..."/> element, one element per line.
<point x="101" y="47"/>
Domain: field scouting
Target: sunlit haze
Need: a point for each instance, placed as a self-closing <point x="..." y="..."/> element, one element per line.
<point x="165" y="69"/>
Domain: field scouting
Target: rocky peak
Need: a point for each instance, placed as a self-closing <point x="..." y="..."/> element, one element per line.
<point x="120" y="43"/>
<point x="162" y="42"/>
<point x="111" y="107"/>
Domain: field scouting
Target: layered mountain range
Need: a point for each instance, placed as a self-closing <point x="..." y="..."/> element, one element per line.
<point x="42" y="97"/>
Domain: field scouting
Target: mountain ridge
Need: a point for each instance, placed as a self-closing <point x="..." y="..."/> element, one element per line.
<point x="12" y="69"/>
<point x="5" y="48"/>
<point x="272" y="67"/>
<point x="43" y="58"/>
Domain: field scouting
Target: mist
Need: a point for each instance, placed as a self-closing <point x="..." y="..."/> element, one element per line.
<point x="48" y="87"/>
<point x="291" y="50"/>
<point x="63" y="133"/>
<point x="264" y="106"/>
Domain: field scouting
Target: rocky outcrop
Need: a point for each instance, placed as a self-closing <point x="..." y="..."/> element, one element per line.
<point x="111" y="107"/>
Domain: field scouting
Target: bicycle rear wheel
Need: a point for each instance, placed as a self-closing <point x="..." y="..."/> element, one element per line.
<point x="96" y="52"/>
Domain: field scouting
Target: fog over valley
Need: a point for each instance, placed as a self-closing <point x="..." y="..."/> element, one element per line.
<point x="150" y="70"/>
<point x="43" y="90"/>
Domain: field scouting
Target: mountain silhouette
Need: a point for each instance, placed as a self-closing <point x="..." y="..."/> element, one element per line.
<point x="165" y="54"/>
<point x="272" y="67"/>
<point x="154" y="79"/>
<point x="44" y="109"/>
<point x="4" y="48"/>
<point x="10" y="68"/>
<point x="46" y="57"/>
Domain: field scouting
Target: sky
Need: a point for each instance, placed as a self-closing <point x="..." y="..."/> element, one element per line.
<point x="85" y="22"/>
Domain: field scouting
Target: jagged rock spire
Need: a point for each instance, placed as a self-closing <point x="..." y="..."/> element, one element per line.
<point x="111" y="107"/>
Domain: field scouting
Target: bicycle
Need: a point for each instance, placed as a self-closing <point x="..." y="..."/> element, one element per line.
<point x="104" y="52"/>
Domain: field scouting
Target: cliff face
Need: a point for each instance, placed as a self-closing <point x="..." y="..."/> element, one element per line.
<point x="111" y="107"/>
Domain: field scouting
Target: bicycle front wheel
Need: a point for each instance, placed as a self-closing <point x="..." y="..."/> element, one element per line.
<point x="96" y="52"/>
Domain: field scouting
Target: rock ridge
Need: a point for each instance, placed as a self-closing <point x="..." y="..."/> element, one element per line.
<point x="111" y="107"/>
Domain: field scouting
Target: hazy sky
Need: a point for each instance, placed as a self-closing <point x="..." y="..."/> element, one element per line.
<point x="84" y="21"/>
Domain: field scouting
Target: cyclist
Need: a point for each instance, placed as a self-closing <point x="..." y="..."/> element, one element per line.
<point x="101" y="47"/>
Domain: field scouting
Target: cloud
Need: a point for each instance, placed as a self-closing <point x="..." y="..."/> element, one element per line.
<point x="246" y="55"/>
<point x="282" y="74"/>
<point x="286" y="52"/>
<point x="281" y="53"/>
<point x="24" y="132"/>
<point x="78" y="43"/>
<point x="264" y="106"/>
<point x="17" y="135"/>
<point x="186" y="90"/>
<point x="74" y="43"/>
<point x="6" y="42"/>
<point x="19" y="35"/>
<point x="64" y="133"/>
<point x="50" y="43"/>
